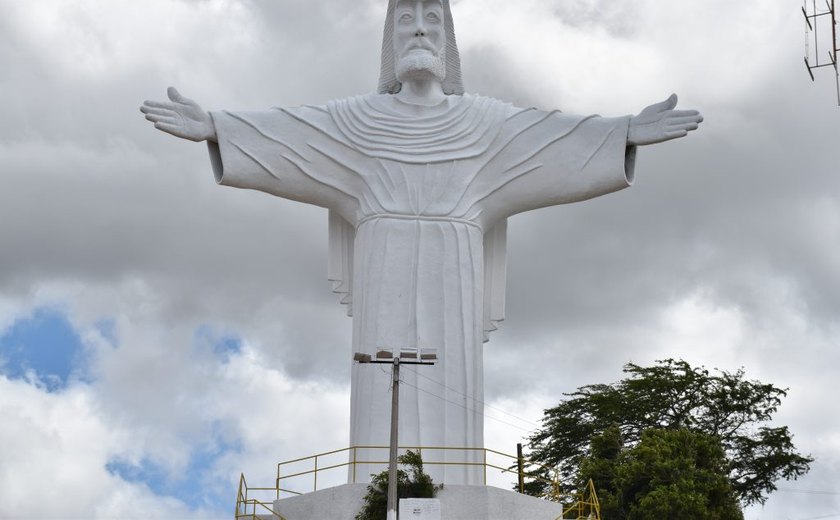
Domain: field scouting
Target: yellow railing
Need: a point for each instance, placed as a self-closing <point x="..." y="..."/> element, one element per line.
<point x="251" y="508"/>
<point x="483" y="457"/>
<point x="585" y="506"/>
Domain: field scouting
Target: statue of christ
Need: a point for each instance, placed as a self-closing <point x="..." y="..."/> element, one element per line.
<point x="419" y="180"/>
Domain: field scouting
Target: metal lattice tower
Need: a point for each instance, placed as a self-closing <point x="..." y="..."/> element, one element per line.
<point x="812" y="20"/>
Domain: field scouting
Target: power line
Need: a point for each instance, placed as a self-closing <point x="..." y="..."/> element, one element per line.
<point x="808" y="491"/>
<point x="464" y="407"/>
<point x="403" y="381"/>
<point x="477" y="401"/>
<point x="813" y="492"/>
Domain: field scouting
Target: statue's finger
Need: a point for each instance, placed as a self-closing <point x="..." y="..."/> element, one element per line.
<point x="686" y="113"/>
<point x="672" y="125"/>
<point x="675" y="134"/>
<point x="158" y="111"/>
<point x="154" y="118"/>
<point x="176" y="97"/>
<point x="690" y="126"/>
<point x="158" y="104"/>
<point x="167" y="127"/>
<point x="663" y="106"/>
<point x="683" y="120"/>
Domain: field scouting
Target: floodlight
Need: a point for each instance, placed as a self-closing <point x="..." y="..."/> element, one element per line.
<point x="428" y="354"/>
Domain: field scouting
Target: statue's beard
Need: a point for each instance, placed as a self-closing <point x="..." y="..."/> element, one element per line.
<point x="420" y="65"/>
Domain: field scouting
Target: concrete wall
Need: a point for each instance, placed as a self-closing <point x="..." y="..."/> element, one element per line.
<point x="457" y="503"/>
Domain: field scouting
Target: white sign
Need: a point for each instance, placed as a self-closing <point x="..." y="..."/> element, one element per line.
<point x="419" y="509"/>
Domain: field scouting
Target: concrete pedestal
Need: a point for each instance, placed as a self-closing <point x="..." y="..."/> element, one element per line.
<point x="457" y="503"/>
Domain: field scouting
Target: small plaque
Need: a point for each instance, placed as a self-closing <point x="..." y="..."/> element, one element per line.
<point x="419" y="508"/>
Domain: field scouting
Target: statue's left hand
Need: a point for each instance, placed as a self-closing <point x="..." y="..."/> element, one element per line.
<point x="660" y="122"/>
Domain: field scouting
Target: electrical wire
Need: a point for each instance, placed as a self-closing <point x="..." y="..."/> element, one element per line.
<point x="463" y="406"/>
<point x="477" y="401"/>
<point x="808" y="491"/>
<point x="403" y="381"/>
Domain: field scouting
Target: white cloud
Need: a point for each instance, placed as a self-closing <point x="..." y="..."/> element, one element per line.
<point x="54" y="461"/>
<point x="157" y="396"/>
<point x="617" y="57"/>
<point x="94" y="40"/>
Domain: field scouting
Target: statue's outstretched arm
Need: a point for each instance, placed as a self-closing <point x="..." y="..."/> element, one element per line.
<point x="660" y="122"/>
<point x="181" y="117"/>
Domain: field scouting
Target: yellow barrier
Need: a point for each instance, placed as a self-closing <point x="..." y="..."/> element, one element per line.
<point x="585" y="506"/>
<point x="247" y="508"/>
<point x="352" y="460"/>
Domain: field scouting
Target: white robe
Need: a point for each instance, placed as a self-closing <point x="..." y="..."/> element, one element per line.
<point x="418" y="199"/>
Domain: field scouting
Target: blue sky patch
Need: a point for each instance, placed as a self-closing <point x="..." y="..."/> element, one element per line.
<point x="44" y="344"/>
<point x="227" y="346"/>
<point x="107" y="328"/>
<point x="223" y="343"/>
<point x="196" y="486"/>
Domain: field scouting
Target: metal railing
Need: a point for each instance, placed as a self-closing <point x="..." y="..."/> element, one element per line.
<point x="251" y="508"/>
<point x="585" y="505"/>
<point x="485" y="459"/>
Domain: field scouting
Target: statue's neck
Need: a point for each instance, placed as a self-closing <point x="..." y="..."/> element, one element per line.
<point x="422" y="91"/>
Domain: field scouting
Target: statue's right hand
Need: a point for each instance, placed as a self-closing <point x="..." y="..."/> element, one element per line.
<point x="181" y="118"/>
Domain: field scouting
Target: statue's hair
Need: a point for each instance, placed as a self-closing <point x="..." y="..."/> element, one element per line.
<point x="388" y="82"/>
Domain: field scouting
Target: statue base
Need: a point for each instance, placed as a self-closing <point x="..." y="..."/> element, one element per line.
<point x="457" y="502"/>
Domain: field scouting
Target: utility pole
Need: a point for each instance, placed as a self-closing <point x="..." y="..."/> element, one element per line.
<point x="411" y="356"/>
<point x="395" y="434"/>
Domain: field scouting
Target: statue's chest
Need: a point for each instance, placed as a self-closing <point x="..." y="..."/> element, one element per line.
<point x="432" y="188"/>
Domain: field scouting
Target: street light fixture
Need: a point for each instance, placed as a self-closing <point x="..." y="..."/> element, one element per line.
<point x="406" y="356"/>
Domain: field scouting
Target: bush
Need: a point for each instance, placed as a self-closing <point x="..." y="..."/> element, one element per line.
<point x="412" y="484"/>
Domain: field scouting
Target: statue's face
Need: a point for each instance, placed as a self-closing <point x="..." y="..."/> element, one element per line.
<point x="419" y="39"/>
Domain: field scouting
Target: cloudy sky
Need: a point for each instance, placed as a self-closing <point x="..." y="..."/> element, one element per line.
<point x="159" y="334"/>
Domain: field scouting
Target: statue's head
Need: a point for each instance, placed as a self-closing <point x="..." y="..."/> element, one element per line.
<point x="419" y="40"/>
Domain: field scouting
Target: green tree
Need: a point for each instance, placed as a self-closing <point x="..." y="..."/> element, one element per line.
<point x="673" y="395"/>
<point x="412" y="484"/>
<point x="601" y="465"/>
<point x="679" y="474"/>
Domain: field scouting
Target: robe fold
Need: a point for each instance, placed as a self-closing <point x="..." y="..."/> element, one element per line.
<point x="418" y="199"/>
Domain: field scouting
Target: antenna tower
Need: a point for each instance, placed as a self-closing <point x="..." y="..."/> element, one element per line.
<point x="812" y="17"/>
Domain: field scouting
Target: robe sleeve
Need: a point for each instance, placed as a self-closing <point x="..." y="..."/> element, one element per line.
<point x="276" y="153"/>
<point x="552" y="158"/>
